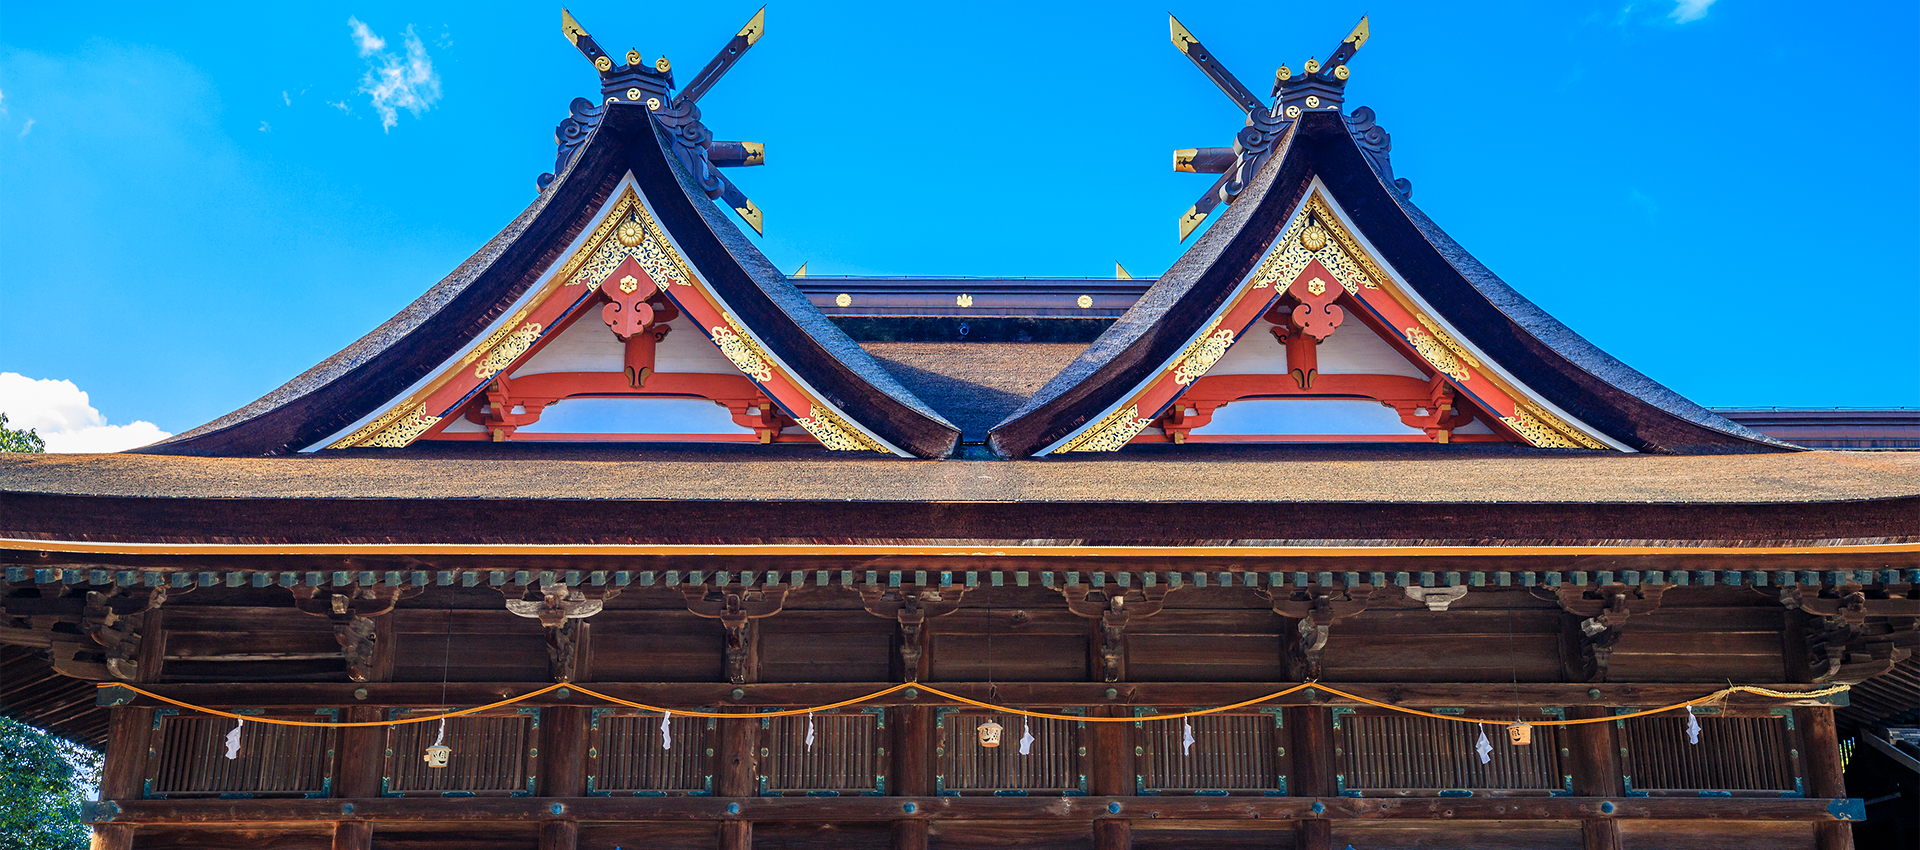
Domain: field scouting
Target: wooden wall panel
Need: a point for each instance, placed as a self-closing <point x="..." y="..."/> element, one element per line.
<point x="823" y="836"/>
<point x="1714" y="835"/>
<point x="825" y="646"/>
<point x="1461" y="645"/>
<point x="1025" y="645"/>
<point x="1463" y="835"/>
<point x="222" y="644"/>
<point x="657" y="646"/>
<point x="488" y="646"/>
<point x="276" y="837"/>
<point x="1206" y="646"/>
<point x="649" y="836"/>
<point x="456" y="836"/>
<point x="1702" y="645"/>
<point x="1210" y="835"/>
<point x="1009" y="835"/>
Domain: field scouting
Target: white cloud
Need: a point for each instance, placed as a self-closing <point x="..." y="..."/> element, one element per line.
<point x="394" y="82"/>
<point x="27" y="129"/>
<point x="60" y="412"/>
<point x="363" y="36"/>
<point x="286" y="97"/>
<point x="1688" y="11"/>
<point x="265" y="128"/>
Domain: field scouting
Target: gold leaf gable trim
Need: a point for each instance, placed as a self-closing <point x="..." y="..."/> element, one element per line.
<point x="739" y="348"/>
<point x="411" y="424"/>
<point x="1110" y="434"/>
<point x="834" y="432"/>
<point x="507" y="350"/>
<point x="1546" y="430"/>
<point x="1202" y="354"/>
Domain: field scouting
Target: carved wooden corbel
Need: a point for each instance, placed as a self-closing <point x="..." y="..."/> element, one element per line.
<point x="1852" y="637"/>
<point x="911" y="607"/>
<point x="561" y="609"/>
<point x="351" y="613"/>
<point x="1603" y="611"/>
<point x="736" y="607"/>
<point x="117" y="623"/>
<point x="1315" y="610"/>
<point x="1114" y="610"/>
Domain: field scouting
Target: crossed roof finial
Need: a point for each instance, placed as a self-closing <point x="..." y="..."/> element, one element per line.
<point x="651" y="84"/>
<point x="1319" y="88"/>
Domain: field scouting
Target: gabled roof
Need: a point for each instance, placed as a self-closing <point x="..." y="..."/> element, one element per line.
<point x="1587" y="398"/>
<point x="382" y="381"/>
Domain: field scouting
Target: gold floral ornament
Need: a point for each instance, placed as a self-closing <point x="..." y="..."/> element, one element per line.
<point x="1447" y="340"/>
<point x="631" y="233"/>
<point x="411" y="423"/>
<point x="1202" y="354"/>
<point x="741" y="350"/>
<point x="964" y="300"/>
<point x="834" y="432"/>
<point x="507" y="350"/>
<point x="1110" y="434"/>
<point x="1438" y="356"/>
<point x="1544" y="430"/>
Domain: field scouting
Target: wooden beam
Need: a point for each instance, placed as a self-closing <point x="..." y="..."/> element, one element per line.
<point x="1413" y="695"/>
<point x="886" y="809"/>
<point x="734" y="835"/>
<point x="1113" y="834"/>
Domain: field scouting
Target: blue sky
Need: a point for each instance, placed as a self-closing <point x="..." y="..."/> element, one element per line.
<point x="198" y="204"/>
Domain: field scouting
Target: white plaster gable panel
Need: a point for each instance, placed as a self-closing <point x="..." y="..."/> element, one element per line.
<point x="588" y="346"/>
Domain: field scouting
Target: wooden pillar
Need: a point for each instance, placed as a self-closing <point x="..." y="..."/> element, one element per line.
<point x="1596" y="772"/>
<point x="913" y="743"/>
<point x="909" y="835"/>
<point x="125" y="769"/>
<point x="1113" y="764"/>
<point x="111" y="836"/>
<point x="1112" y="833"/>
<point x="738" y="775"/>
<point x="558" y="835"/>
<point x="363" y="754"/>
<point x="1821" y="742"/>
<point x="563" y="751"/>
<point x="1313" y="771"/>
<point x="353" y="835"/>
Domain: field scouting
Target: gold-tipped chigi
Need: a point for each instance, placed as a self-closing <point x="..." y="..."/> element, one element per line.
<point x="1190" y="220"/>
<point x="751" y="215"/>
<point x="758" y="27"/>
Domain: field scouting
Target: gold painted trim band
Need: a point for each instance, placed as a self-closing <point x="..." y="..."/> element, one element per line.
<point x="776" y="549"/>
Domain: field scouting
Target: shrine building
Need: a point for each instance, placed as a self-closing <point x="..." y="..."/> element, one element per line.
<point x="620" y="537"/>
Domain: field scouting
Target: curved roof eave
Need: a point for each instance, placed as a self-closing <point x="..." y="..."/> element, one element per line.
<point x="383" y="364"/>
<point x="1545" y="355"/>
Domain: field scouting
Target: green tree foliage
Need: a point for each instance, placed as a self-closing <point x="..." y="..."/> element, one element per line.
<point x="19" y="439"/>
<point x="43" y="780"/>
